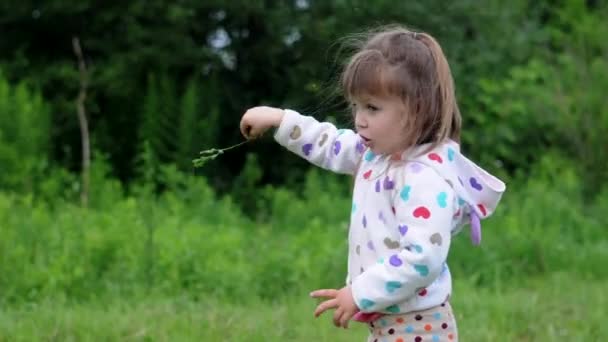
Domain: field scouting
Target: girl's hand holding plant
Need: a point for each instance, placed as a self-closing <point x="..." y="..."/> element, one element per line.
<point x="258" y="120"/>
<point x="254" y="123"/>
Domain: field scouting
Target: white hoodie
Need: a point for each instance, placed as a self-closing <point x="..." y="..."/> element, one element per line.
<point x="406" y="208"/>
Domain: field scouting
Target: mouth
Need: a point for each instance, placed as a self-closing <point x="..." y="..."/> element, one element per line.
<point x="366" y="141"/>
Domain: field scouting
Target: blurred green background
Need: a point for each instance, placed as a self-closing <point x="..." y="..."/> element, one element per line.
<point x="155" y="250"/>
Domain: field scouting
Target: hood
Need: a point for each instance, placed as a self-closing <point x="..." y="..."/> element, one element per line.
<point x="478" y="191"/>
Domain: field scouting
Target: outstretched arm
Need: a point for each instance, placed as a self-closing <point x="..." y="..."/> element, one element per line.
<point x="321" y="143"/>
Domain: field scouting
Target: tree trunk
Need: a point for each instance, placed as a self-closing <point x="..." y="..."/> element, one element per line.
<point x="84" y="125"/>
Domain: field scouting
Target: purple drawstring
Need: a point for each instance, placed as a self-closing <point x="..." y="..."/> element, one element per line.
<point x="475" y="228"/>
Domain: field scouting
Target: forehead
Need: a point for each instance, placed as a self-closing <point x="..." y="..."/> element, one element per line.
<point x="385" y="99"/>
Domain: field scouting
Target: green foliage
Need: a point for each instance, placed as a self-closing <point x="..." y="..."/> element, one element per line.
<point x="24" y="136"/>
<point x="171" y="79"/>
<point x="188" y="241"/>
<point x="179" y="75"/>
<point x="543" y="225"/>
<point x="189" y="129"/>
<point x="159" y="110"/>
<point x="246" y="186"/>
<point x="551" y="101"/>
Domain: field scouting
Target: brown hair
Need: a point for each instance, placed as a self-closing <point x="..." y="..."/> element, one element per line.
<point x="411" y="65"/>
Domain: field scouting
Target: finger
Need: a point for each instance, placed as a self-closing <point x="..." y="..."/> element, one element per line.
<point x="338" y="316"/>
<point x="255" y="132"/>
<point x="245" y="128"/>
<point x="346" y="316"/>
<point x="326" y="305"/>
<point x="324" y="293"/>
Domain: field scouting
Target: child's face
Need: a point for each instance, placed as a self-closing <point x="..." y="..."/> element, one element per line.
<point x="379" y="120"/>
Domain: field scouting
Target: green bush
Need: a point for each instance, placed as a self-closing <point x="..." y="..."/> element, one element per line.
<point x="24" y="136"/>
<point x="189" y="241"/>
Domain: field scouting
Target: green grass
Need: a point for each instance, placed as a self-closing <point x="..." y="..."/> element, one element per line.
<point x="74" y="274"/>
<point x="554" y="308"/>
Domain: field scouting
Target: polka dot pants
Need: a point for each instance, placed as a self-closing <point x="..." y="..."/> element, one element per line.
<point x="436" y="324"/>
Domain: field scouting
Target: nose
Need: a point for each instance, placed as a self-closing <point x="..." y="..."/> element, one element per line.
<point x="360" y="121"/>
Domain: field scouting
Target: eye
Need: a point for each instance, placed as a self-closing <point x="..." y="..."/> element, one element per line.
<point x="371" y="107"/>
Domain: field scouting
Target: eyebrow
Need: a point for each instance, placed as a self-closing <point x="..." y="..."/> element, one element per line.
<point x="365" y="98"/>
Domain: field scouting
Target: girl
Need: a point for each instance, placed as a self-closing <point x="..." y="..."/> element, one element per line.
<point x="413" y="189"/>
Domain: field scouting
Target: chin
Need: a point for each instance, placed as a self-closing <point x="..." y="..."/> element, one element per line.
<point x="377" y="151"/>
<point x="385" y="151"/>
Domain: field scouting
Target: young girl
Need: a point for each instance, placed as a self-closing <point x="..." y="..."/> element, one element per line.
<point x="413" y="188"/>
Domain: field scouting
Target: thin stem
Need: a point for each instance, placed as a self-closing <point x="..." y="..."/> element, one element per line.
<point x="234" y="146"/>
<point x="213" y="153"/>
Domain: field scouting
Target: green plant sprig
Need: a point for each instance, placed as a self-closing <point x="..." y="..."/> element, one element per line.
<point x="213" y="153"/>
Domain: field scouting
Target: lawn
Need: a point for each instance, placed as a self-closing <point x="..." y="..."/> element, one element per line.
<point x="559" y="307"/>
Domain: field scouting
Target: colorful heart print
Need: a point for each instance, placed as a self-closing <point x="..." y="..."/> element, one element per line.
<point x="474" y="184"/>
<point x="388" y="184"/>
<point x="423" y="270"/>
<point x="337" y="147"/>
<point x="417" y="248"/>
<point x="378" y="186"/>
<point x="360" y="147"/>
<point x="451" y="154"/>
<point x="442" y="199"/>
<point x="435" y="157"/>
<point x="416" y="167"/>
<point x="405" y="193"/>
<point x="323" y="139"/>
<point x="306" y="149"/>
<point x="392" y="286"/>
<point x="403" y="229"/>
<point x="456" y="214"/>
<point x="369" y="156"/>
<point x="370" y="245"/>
<point x="391" y="244"/>
<point x="366" y="304"/>
<point x="395" y="261"/>
<point x="422" y="212"/>
<point x="436" y="239"/>
<point x="367" y="174"/>
<point x="296" y="132"/>
<point x="393" y="309"/>
<point x="381" y="217"/>
<point x="482" y="209"/>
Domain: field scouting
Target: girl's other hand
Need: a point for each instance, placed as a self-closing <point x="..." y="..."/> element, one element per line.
<point x="257" y="120"/>
<point x="342" y="300"/>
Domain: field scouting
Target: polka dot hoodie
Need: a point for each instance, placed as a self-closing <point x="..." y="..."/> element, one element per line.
<point x="406" y="208"/>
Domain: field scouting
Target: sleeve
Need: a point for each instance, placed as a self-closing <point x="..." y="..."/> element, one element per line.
<point x="424" y="207"/>
<point x="322" y="144"/>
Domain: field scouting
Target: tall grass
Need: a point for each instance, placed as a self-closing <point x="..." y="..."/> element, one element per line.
<point x="190" y="242"/>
